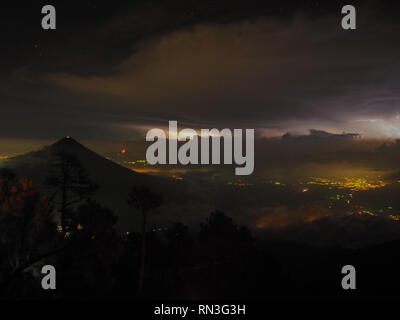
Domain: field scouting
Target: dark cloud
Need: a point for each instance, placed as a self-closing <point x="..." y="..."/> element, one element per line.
<point x="265" y="72"/>
<point x="277" y="68"/>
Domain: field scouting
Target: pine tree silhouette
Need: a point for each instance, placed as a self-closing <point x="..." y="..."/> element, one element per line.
<point x="70" y="183"/>
<point x="144" y="200"/>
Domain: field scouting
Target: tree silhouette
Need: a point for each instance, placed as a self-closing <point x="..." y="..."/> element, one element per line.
<point x="7" y="176"/>
<point x="70" y="182"/>
<point x="178" y="238"/>
<point x="93" y="249"/>
<point x="223" y="236"/>
<point x="94" y="220"/>
<point x="181" y="253"/>
<point x="26" y="229"/>
<point x="144" y="200"/>
<point x="224" y="241"/>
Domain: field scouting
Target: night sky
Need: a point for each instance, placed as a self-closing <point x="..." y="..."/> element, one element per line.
<point x="112" y="70"/>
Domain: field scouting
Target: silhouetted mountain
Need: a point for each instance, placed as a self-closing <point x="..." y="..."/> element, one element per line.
<point x="320" y="134"/>
<point x="114" y="180"/>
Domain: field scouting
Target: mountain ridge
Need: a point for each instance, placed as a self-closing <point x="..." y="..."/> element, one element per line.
<point x="114" y="180"/>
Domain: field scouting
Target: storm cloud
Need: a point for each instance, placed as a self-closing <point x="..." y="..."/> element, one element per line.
<point x="272" y="73"/>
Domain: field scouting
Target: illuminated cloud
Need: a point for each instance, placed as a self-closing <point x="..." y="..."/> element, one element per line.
<point x="271" y="72"/>
<point x="264" y="73"/>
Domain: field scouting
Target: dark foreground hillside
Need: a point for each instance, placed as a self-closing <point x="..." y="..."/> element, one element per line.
<point x="221" y="261"/>
<point x="72" y="228"/>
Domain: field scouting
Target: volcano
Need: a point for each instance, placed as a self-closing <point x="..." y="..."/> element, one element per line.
<point x="114" y="181"/>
